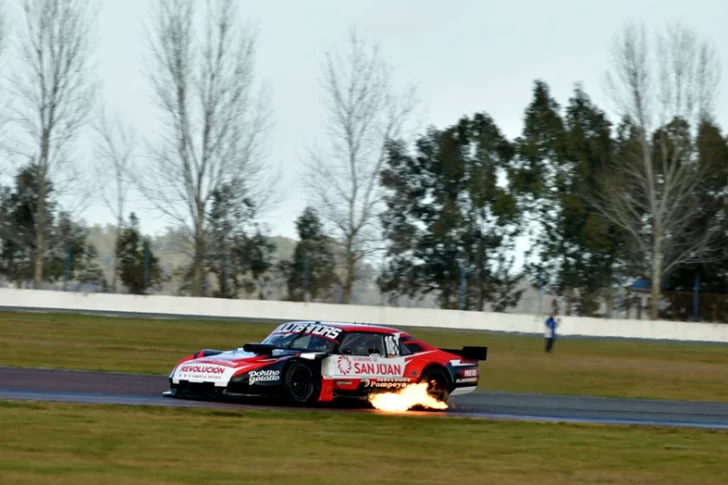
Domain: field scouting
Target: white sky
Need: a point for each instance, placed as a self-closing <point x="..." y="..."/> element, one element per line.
<point x="465" y="56"/>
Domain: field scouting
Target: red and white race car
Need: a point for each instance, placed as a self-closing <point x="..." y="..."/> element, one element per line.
<point x="308" y="361"/>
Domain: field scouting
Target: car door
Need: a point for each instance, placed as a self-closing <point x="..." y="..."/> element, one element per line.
<point x="367" y="356"/>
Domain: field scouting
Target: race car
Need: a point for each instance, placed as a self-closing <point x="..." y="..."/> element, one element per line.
<point x="309" y="362"/>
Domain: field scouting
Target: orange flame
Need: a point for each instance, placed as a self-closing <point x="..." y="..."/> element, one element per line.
<point x="405" y="399"/>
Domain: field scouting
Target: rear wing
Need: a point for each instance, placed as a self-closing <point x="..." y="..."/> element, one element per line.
<point x="470" y="352"/>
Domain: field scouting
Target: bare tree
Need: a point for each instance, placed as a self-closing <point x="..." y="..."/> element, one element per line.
<point x="202" y="73"/>
<point x="363" y="112"/>
<point x="115" y="149"/>
<point x="54" y="88"/>
<point x="4" y="35"/>
<point x="6" y="230"/>
<point x="663" y="94"/>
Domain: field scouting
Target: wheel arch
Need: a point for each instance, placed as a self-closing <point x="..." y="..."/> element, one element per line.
<point x="314" y="366"/>
<point x="443" y="369"/>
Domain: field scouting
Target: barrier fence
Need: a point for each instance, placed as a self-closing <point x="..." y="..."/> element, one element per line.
<point x="163" y="305"/>
<point x="626" y="299"/>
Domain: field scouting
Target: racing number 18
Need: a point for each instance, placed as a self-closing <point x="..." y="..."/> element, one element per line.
<point x="390" y="341"/>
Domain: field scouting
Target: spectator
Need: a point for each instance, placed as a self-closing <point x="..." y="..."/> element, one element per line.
<point x="550" y="331"/>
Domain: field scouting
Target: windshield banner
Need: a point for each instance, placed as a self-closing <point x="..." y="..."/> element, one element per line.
<point x="309" y="328"/>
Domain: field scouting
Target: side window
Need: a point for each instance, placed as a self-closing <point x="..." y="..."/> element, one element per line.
<point x="362" y="343"/>
<point x="403" y="349"/>
<point x="312" y="342"/>
<point x="320" y="344"/>
<point x="408" y="346"/>
<point x="413" y="347"/>
<point x="301" y="342"/>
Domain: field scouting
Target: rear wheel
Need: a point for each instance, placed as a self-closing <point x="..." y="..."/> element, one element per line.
<point x="438" y="385"/>
<point x="302" y="385"/>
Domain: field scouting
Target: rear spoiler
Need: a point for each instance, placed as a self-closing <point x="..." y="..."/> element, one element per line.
<point x="470" y="352"/>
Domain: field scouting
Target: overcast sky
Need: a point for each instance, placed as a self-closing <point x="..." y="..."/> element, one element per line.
<point x="465" y="56"/>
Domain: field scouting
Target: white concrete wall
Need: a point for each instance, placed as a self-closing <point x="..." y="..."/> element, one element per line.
<point x="396" y="317"/>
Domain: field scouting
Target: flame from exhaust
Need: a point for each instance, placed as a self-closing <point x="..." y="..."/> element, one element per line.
<point x="405" y="399"/>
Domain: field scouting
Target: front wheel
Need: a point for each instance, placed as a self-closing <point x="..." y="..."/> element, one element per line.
<point x="301" y="385"/>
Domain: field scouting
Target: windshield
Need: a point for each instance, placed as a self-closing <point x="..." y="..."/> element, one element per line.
<point x="304" y="336"/>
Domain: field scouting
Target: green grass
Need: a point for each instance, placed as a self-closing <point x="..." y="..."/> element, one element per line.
<point x="516" y="363"/>
<point x="87" y="444"/>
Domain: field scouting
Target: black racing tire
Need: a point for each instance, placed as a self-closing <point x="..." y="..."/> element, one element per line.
<point x="302" y="386"/>
<point x="438" y="383"/>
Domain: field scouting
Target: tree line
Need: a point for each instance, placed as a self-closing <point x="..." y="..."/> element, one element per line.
<point x="603" y="197"/>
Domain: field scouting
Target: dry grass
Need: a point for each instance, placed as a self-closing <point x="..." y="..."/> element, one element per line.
<point x="83" y="444"/>
<point x="516" y="363"/>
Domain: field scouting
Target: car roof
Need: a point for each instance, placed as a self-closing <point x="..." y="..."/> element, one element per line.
<point x="354" y="327"/>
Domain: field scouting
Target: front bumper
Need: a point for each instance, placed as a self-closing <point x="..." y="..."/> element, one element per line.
<point x="234" y="388"/>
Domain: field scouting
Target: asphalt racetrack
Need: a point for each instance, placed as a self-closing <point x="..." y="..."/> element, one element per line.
<point x="135" y="389"/>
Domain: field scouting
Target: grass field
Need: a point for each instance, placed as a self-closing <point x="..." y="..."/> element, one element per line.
<point x="84" y="444"/>
<point x="516" y="363"/>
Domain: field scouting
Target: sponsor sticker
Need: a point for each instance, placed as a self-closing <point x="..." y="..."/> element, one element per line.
<point x="310" y="328"/>
<point x="225" y="363"/>
<point x="343" y="363"/>
<point x="467" y="380"/>
<point x="386" y="383"/>
<point x="470" y="373"/>
<point x="264" y="376"/>
<point x="373" y="366"/>
<point x="202" y="369"/>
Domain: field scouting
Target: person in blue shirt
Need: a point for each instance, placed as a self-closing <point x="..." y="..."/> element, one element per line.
<point x="550" y="331"/>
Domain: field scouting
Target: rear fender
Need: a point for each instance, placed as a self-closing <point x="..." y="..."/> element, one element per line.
<point x="446" y="369"/>
<point x="464" y="373"/>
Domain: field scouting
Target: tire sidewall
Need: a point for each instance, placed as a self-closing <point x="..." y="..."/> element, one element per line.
<point x="441" y="376"/>
<point x="299" y="370"/>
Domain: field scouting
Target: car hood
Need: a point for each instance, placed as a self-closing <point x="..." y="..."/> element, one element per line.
<point x="231" y="357"/>
<point x="222" y="367"/>
<point x="239" y="358"/>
